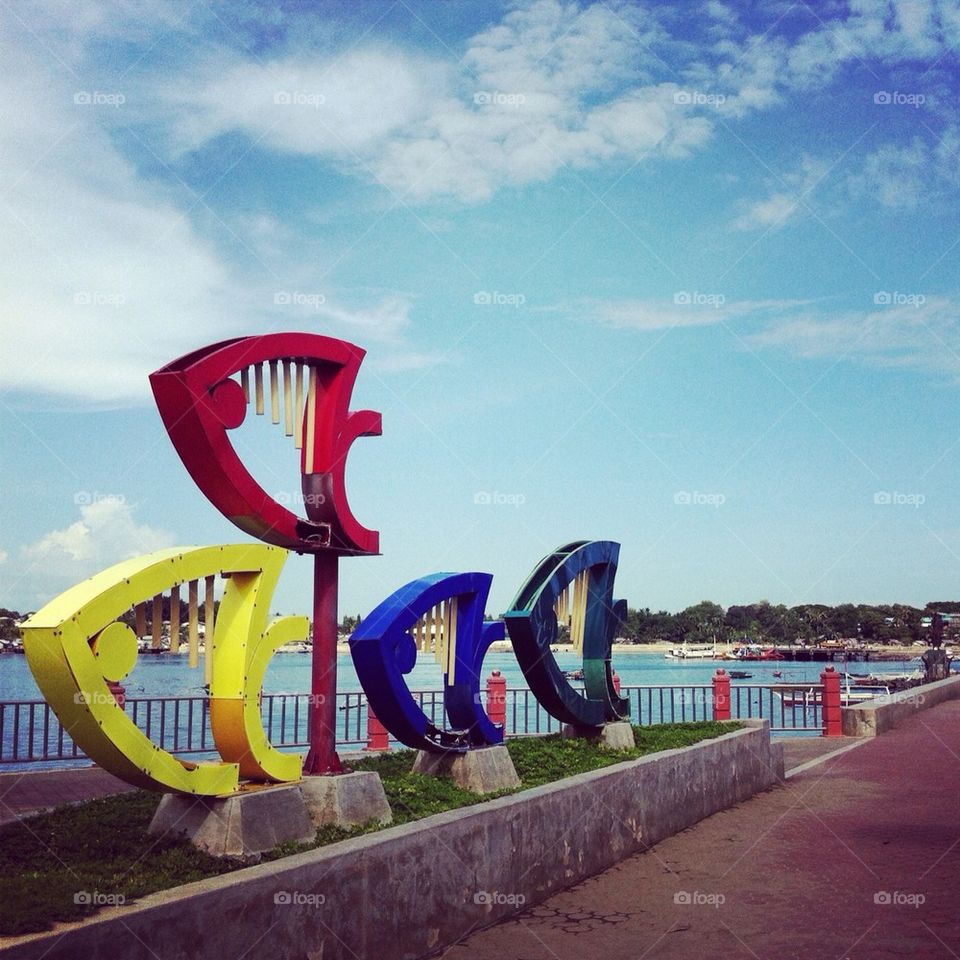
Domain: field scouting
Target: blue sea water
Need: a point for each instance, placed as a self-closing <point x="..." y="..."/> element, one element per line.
<point x="169" y="676"/>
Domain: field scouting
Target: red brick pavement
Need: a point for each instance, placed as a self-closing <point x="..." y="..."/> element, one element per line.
<point x="856" y="858"/>
<point x="24" y="793"/>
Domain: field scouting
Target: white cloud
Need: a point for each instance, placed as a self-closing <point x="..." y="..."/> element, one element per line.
<point x="689" y="308"/>
<point x="894" y="175"/>
<point x="774" y="211"/>
<point x="339" y="105"/>
<point x="103" y="277"/>
<point x="551" y="85"/>
<point x="384" y="321"/>
<point x="89" y="254"/>
<point x="903" y="177"/>
<point x="4" y="556"/>
<point x="106" y="533"/>
<point x="912" y="331"/>
<point x="105" y="272"/>
<point x="901" y="329"/>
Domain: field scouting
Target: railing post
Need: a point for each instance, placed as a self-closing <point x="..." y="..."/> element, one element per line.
<point x="497" y="699"/>
<point x="832" y="717"/>
<point x="119" y="692"/>
<point x="377" y="737"/>
<point x="721" y="695"/>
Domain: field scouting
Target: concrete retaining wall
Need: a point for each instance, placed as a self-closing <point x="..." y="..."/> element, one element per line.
<point x="411" y="890"/>
<point x="884" y="713"/>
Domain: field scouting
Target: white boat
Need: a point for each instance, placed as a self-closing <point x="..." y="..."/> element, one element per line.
<point x="295" y="646"/>
<point x="801" y="695"/>
<point x="693" y="651"/>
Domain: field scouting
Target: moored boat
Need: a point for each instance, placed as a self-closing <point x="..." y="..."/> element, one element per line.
<point x="693" y="651"/>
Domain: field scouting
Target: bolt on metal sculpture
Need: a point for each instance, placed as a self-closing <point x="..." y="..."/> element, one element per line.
<point x="572" y="586"/>
<point x="200" y="402"/>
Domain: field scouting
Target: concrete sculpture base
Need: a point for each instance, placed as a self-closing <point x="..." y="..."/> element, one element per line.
<point x="484" y="770"/>
<point x="346" y="800"/>
<point x="241" y="825"/>
<point x="257" y="819"/>
<point x="611" y="736"/>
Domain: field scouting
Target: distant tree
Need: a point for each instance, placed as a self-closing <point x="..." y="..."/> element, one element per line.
<point x="843" y="620"/>
<point x="740" y="619"/>
<point x="702" y="622"/>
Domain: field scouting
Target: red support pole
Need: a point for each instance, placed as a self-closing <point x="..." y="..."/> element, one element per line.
<point x="378" y="738"/>
<point x="832" y="716"/>
<point x="721" y="695"/>
<point x="497" y="698"/>
<point x="322" y="756"/>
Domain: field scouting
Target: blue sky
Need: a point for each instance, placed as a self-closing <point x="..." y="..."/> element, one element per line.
<point x="682" y="277"/>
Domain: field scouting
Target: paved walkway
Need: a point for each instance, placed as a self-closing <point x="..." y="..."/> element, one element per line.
<point x="22" y="794"/>
<point x="858" y="857"/>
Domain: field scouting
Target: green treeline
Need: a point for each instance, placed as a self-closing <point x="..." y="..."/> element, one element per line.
<point x="764" y="622"/>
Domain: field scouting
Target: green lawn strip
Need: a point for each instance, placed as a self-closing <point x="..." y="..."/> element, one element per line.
<point x="64" y="865"/>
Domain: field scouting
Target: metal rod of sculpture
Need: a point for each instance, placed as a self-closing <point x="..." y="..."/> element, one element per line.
<point x="200" y="401"/>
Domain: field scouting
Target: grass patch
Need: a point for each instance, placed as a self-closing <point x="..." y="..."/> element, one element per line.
<point x="68" y="863"/>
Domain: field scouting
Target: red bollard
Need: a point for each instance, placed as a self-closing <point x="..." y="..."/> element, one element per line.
<point x="378" y="738"/>
<point x="119" y="692"/>
<point x="497" y="699"/>
<point x="616" y="683"/>
<point x="721" y="695"/>
<point x="832" y="715"/>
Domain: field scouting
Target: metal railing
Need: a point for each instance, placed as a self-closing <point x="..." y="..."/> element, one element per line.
<point x="30" y="731"/>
